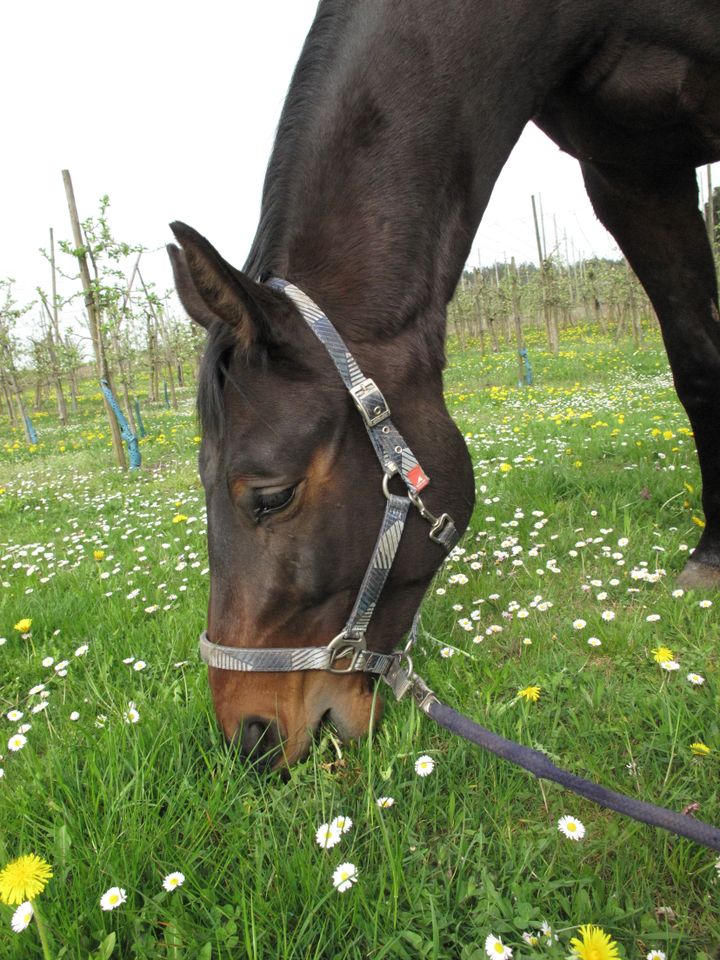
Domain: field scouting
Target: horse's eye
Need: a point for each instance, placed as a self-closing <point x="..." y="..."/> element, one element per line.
<point x="271" y="501"/>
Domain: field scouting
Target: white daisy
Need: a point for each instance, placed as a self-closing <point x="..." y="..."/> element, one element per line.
<point x="344" y="877"/>
<point x="131" y="715"/>
<point x="14" y="715"/>
<point x="494" y="947"/>
<point x="22" y="917"/>
<point x="655" y="955"/>
<point x="424" y="766"/>
<point x="17" y="742"/>
<point x="705" y="603"/>
<point x="139" y="665"/>
<point x="342" y="823"/>
<point x="571" y="827"/>
<point x="594" y="642"/>
<point x="174" y="880"/>
<point x="696" y="679"/>
<point x="670" y="665"/>
<point x="608" y="615"/>
<point x="579" y="624"/>
<point x="113" y="898"/>
<point x="384" y="802"/>
<point x="327" y="835"/>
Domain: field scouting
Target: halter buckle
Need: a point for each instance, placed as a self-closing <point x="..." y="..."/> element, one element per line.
<point x="344" y="646"/>
<point x="370" y="402"/>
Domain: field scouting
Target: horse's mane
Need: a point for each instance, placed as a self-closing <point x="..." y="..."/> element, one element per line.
<point x="318" y="54"/>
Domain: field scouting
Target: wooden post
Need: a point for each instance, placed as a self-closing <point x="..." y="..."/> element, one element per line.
<point x="550" y="318"/>
<point x="519" y="339"/>
<point x="93" y="317"/>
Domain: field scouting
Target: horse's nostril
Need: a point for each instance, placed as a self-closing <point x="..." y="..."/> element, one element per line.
<point x="259" y="740"/>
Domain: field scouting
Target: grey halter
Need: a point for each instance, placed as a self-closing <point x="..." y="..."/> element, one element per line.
<point x="396" y="459"/>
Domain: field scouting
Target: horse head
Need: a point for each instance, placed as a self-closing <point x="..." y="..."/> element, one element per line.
<point x="295" y="499"/>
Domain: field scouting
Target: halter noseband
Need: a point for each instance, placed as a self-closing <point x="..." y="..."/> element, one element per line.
<point x="396" y="459"/>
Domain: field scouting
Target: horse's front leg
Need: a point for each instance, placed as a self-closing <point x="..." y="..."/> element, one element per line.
<point x="654" y="216"/>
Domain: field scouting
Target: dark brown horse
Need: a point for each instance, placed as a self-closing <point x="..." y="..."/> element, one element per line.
<point x="397" y="123"/>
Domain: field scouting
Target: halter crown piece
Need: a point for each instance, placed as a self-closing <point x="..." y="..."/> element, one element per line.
<point x="396" y="459"/>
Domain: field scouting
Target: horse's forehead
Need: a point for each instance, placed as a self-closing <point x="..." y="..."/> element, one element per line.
<point x="276" y="419"/>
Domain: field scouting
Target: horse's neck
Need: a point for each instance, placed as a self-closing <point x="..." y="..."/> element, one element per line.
<point x="396" y="126"/>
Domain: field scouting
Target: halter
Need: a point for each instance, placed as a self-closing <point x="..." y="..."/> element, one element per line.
<point x="396" y="459"/>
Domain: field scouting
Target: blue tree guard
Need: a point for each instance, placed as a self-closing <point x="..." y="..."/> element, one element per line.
<point x="125" y="432"/>
<point x="528" y="369"/>
<point x="32" y="435"/>
<point x="138" y="416"/>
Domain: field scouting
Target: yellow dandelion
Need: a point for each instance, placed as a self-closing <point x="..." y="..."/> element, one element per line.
<point x="530" y="693"/>
<point x="697" y="521"/>
<point x="594" y="944"/>
<point x="24" y="879"/>
<point x="662" y="655"/>
<point x="179" y="518"/>
<point x="700" y="749"/>
<point x="23" y="626"/>
<point x="505" y="467"/>
<point x="98" y="554"/>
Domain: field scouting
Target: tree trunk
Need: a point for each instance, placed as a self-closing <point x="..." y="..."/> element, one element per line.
<point x="94" y="319"/>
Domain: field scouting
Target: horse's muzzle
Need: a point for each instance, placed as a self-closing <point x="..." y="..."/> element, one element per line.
<point x="259" y="741"/>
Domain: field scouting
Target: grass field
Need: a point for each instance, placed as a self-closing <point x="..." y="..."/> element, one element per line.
<point x="588" y="503"/>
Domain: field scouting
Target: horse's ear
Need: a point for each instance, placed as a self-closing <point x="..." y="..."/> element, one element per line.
<point x="210" y="289"/>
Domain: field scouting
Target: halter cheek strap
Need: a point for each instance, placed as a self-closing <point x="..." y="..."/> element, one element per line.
<point x="396" y="459"/>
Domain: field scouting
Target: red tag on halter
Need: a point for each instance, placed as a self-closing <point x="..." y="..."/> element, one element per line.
<point x="418" y="478"/>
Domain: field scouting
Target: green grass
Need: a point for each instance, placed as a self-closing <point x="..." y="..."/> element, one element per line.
<point x="470" y="850"/>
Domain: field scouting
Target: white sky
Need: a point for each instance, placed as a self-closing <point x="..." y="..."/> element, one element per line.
<point x="170" y="108"/>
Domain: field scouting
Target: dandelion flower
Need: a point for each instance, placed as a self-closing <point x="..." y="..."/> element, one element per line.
<point x="17" y="742"/>
<point x="174" y="880"/>
<point x="113" y="898"/>
<point x="530" y="693"/>
<point x="344" y="877"/>
<point x="700" y="749"/>
<point x="98" y="554"/>
<point x="662" y="654"/>
<point x="385" y="802"/>
<point x="594" y="944"/>
<point x="22" y="917"/>
<point x="24" y="879"/>
<point x="424" y="766"/>
<point x="494" y="947"/>
<point x="571" y="827"/>
<point x="23" y="626"/>
<point x="327" y="835"/>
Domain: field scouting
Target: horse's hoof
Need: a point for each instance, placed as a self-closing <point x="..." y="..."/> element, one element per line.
<point x="699" y="576"/>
